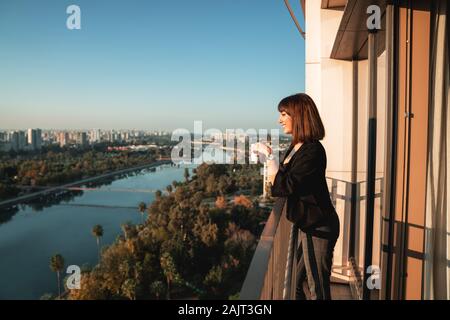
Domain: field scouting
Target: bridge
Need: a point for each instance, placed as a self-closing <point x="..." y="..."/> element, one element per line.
<point x="97" y="206"/>
<point x="113" y="189"/>
<point x="96" y="189"/>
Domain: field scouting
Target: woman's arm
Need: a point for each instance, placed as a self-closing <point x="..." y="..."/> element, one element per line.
<point x="271" y="162"/>
<point x="294" y="178"/>
<point x="272" y="169"/>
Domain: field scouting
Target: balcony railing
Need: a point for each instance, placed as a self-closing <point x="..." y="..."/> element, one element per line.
<point x="272" y="274"/>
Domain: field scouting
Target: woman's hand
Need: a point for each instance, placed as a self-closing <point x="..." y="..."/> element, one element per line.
<point x="262" y="149"/>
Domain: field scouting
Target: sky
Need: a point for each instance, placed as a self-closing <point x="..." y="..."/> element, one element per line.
<point x="148" y="64"/>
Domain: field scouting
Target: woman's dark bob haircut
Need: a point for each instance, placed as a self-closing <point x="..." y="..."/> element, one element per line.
<point x="306" y="123"/>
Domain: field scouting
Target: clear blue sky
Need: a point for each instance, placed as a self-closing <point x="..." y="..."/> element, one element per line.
<point x="148" y="64"/>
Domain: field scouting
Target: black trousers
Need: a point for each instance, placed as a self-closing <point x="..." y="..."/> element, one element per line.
<point x="314" y="262"/>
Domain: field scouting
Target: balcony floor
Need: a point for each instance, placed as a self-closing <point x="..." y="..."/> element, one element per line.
<point x="341" y="292"/>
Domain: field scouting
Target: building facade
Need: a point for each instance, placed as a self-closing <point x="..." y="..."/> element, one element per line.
<point x="34" y="137"/>
<point x="383" y="97"/>
<point x="379" y="74"/>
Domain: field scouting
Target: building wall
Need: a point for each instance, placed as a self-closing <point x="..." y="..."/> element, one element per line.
<point x="330" y="83"/>
<point x="410" y="193"/>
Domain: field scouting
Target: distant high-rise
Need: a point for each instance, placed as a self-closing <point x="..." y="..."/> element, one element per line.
<point x="63" y="138"/>
<point x="17" y="141"/>
<point x="95" y="135"/>
<point x="14" y="140"/>
<point x="35" y="138"/>
<point x="109" y="136"/>
<point x="31" y="135"/>
<point x="22" y="140"/>
<point x="82" y="139"/>
<point x="38" y="139"/>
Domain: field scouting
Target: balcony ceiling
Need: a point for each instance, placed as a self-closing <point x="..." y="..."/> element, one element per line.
<point x="351" y="39"/>
<point x="334" y="4"/>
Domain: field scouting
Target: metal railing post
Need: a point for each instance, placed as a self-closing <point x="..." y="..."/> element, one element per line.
<point x="289" y="277"/>
<point x="353" y="208"/>
<point x="371" y="158"/>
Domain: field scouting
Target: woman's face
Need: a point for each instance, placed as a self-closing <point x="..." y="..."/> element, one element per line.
<point x="286" y="122"/>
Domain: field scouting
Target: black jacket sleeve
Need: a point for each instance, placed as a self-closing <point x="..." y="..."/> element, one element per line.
<point x="296" y="176"/>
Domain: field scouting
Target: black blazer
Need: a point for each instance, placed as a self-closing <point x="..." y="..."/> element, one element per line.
<point x="302" y="181"/>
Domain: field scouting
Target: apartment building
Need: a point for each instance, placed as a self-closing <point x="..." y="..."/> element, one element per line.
<point x="383" y="95"/>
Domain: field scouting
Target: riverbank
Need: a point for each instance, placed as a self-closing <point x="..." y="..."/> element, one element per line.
<point x="36" y="232"/>
<point x="34" y="195"/>
<point x="188" y="246"/>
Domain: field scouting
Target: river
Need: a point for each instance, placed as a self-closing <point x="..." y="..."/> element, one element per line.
<point x="31" y="236"/>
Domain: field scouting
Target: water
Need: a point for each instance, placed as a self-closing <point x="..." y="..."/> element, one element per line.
<point x="31" y="237"/>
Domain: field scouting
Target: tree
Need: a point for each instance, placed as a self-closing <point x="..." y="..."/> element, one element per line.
<point x="129" y="231"/>
<point x="223" y="185"/>
<point x="170" y="271"/>
<point x="255" y="190"/>
<point x="129" y="289"/>
<point x="239" y="243"/>
<point x="211" y="184"/>
<point x="57" y="265"/>
<point x="142" y="208"/>
<point x="197" y="198"/>
<point x="47" y="296"/>
<point x="214" y="276"/>
<point x="243" y="201"/>
<point x="189" y="243"/>
<point x="97" y="231"/>
<point x="186" y="174"/>
<point x="213" y="280"/>
<point x="221" y="202"/>
<point x="209" y="233"/>
<point x="157" y="288"/>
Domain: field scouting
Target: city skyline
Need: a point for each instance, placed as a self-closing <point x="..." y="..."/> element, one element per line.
<point x="131" y="67"/>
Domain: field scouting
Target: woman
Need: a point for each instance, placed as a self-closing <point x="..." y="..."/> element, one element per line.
<point x="300" y="178"/>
